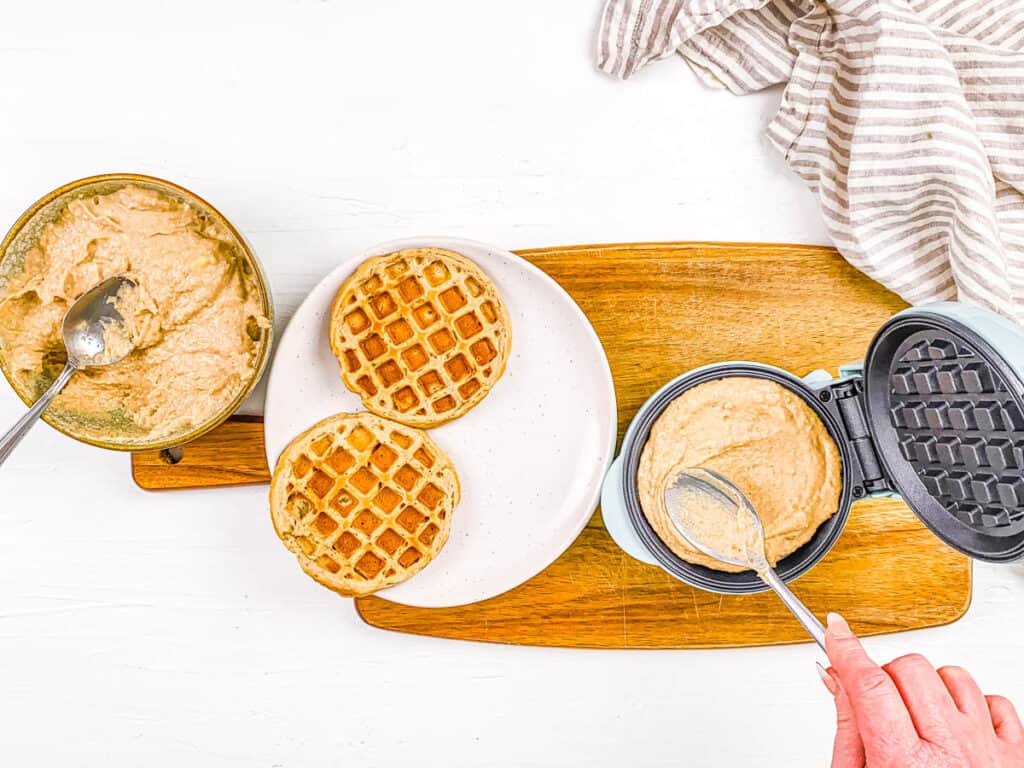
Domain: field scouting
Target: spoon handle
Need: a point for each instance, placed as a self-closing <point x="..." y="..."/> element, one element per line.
<point x="24" y="424"/>
<point x="801" y="611"/>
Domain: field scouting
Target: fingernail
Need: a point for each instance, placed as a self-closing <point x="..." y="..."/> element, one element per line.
<point x="826" y="678"/>
<point x="837" y="626"/>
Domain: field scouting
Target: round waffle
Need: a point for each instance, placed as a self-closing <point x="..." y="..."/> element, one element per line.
<point x="363" y="502"/>
<point x="421" y="335"/>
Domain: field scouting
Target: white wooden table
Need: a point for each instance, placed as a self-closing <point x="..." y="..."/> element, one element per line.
<point x="174" y="629"/>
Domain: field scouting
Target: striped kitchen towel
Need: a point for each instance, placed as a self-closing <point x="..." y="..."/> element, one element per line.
<point x="904" y="117"/>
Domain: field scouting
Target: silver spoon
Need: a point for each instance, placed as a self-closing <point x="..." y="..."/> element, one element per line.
<point x="94" y="334"/>
<point x="701" y="502"/>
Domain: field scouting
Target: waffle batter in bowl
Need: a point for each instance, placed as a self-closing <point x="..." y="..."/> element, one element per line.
<point x="200" y="316"/>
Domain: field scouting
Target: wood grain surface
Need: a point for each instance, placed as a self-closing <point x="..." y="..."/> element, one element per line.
<point x="231" y="454"/>
<point x="887" y="573"/>
<point x="661" y="309"/>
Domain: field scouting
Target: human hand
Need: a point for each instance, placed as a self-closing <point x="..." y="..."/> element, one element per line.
<point x="908" y="715"/>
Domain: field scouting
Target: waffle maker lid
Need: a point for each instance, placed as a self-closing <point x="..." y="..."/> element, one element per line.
<point x="942" y="398"/>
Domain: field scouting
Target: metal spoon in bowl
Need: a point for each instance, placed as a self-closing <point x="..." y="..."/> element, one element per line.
<point x="94" y="334"/>
<point x="716" y="518"/>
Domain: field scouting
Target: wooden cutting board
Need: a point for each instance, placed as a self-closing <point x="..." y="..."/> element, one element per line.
<point x="661" y="309"/>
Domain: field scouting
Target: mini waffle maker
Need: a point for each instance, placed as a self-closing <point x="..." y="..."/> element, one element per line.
<point x="935" y="414"/>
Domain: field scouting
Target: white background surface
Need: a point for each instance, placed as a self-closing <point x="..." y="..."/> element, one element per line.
<point x="141" y="628"/>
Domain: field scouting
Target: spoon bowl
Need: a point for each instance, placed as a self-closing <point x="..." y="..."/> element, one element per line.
<point x="716" y="518"/>
<point x="94" y="334"/>
<point x="94" y="331"/>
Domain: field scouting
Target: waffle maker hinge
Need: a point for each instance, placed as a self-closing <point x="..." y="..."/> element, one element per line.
<point x="846" y="400"/>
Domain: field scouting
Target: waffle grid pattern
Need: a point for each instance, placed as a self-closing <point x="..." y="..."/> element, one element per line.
<point x="961" y="429"/>
<point x="421" y="335"/>
<point x="362" y="502"/>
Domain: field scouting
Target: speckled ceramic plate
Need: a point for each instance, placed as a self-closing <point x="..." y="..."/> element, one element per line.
<point x="530" y="457"/>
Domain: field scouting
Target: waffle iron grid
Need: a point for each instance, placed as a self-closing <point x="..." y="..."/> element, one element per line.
<point x="960" y="429"/>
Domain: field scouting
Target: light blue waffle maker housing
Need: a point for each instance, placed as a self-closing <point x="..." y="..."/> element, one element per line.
<point x="934" y="414"/>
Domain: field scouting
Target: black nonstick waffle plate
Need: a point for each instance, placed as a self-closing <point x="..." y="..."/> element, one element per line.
<point x="947" y="413"/>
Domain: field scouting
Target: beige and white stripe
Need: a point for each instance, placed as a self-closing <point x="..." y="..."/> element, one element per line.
<point x="904" y="117"/>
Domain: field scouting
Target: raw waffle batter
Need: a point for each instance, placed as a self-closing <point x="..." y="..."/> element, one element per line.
<point x="763" y="438"/>
<point x="195" y="319"/>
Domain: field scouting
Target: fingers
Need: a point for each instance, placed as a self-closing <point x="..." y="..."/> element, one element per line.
<point x="882" y="717"/>
<point x="826" y="678"/>
<point x="965" y="693"/>
<point x="996" y="711"/>
<point x="848" y="749"/>
<point x="1005" y="719"/>
<point x="924" y="694"/>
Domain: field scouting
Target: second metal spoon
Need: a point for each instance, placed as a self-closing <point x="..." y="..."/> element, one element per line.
<point x="723" y="506"/>
<point x="94" y="334"/>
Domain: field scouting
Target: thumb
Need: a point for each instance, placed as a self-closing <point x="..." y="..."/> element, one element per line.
<point x="848" y="749"/>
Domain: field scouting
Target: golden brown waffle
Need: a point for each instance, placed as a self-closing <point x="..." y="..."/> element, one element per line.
<point x="363" y="502"/>
<point x="421" y="335"/>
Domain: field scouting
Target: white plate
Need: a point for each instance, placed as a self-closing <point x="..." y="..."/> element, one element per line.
<point x="530" y="456"/>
